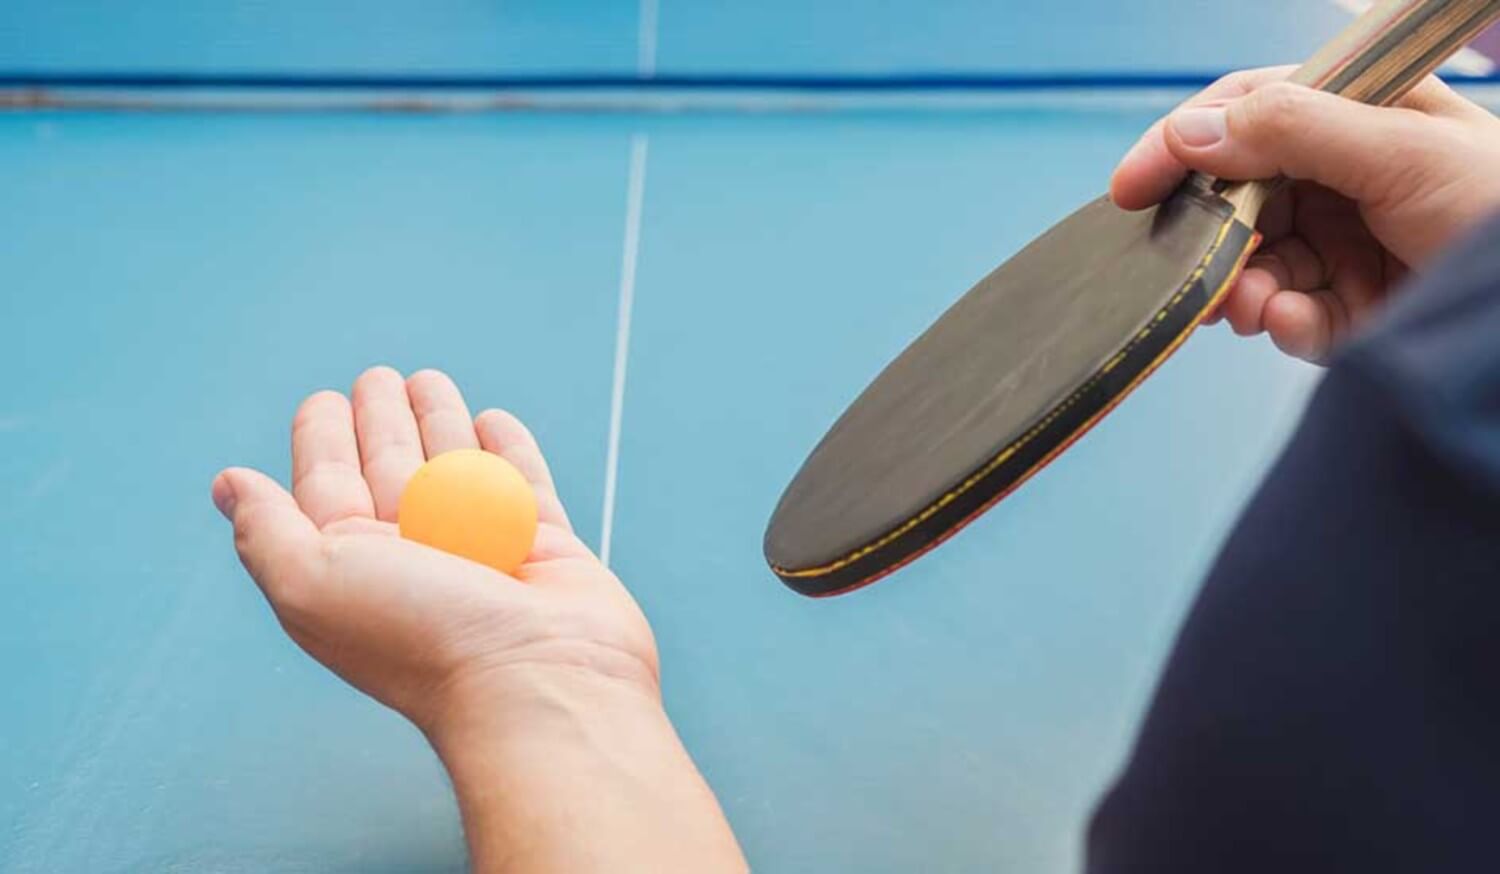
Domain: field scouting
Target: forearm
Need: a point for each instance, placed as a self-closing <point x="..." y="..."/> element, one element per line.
<point x="580" y="773"/>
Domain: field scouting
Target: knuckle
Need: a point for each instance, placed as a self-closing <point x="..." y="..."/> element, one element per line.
<point x="1429" y="155"/>
<point x="1274" y="109"/>
<point x="1242" y="82"/>
<point x="292" y="590"/>
<point x="335" y="476"/>
<point x="242" y="539"/>
<point x="247" y="522"/>
<point x="1448" y="136"/>
<point x="1239" y="80"/>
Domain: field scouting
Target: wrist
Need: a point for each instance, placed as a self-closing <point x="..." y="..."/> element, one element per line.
<point x="564" y="769"/>
<point x="521" y="706"/>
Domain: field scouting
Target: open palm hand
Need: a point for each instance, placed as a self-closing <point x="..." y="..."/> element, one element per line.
<point x="421" y="630"/>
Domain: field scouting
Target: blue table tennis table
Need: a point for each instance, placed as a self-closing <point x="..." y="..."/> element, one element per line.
<point x="678" y="302"/>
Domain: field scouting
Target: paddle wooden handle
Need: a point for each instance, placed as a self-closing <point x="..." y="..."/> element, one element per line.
<point x="1388" y="50"/>
<point x="1377" y="58"/>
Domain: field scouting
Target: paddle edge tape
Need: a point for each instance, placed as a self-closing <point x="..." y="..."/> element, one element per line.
<point x="1064" y="424"/>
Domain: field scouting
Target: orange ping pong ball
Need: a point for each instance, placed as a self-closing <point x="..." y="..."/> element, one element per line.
<point x="473" y="504"/>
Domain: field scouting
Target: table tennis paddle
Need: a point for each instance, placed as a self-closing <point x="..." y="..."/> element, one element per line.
<point x="1048" y="343"/>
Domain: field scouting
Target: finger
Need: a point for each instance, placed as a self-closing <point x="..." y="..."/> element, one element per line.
<point x="1304" y="134"/>
<point x="1294" y="263"/>
<point x="277" y="543"/>
<point x="553" y="542"/>
<point x="1354" y="261"/>
<point x="326" y="478"/>
<point x="1305" y="325"/>
<point x="1245" y="303"/>
<point x="1278" y="216"/>
<point x="505" y="435"/>
<point x="390" y="447"/>
<point x="1149" y="171"/>
<point x="442" y="416"/>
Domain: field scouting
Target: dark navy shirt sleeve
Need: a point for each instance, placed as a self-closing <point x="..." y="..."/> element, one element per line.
<point x="1333" y="699"/>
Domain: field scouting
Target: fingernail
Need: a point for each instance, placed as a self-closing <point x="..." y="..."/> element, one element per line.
<point x="224" y="497"/>
<point x="1201" y="127"/>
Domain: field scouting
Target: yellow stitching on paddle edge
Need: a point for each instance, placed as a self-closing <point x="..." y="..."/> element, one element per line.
<point x="973" y="479"/>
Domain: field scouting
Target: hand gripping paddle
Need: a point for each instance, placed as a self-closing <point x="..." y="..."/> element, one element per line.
<point x="1044" y="346"/>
